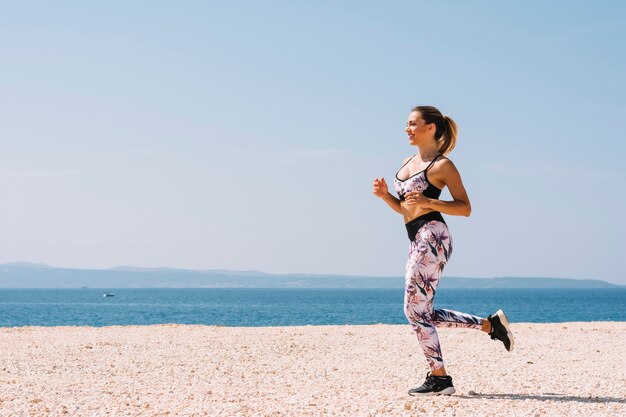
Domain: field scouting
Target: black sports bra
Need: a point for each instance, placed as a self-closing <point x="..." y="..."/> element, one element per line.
<point x="416" y="182"/>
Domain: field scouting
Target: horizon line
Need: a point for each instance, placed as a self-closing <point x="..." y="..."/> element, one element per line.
<point x="28" y="264"/>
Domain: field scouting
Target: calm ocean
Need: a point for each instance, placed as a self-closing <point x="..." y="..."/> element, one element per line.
<point x="291" y="307"/>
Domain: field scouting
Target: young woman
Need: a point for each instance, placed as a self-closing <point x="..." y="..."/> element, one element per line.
<point x="418" y="184"/>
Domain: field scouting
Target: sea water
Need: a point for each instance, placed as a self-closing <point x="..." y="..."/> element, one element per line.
<point x="292" y="307"/>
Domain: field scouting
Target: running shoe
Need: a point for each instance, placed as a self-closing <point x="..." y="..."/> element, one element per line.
<point x="501" y="329"/>
<point x="434" y="385"/>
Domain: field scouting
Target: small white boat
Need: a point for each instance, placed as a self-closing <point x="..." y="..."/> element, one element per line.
<point x="108" y="294"/>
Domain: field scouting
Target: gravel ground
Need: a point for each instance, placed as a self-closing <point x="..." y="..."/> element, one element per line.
<point x="556" y="369"/>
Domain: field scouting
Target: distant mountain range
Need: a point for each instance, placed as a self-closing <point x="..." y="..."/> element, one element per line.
<point x="30" y="275"/>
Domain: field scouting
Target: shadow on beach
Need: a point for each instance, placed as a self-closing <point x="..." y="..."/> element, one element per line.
<point x="546" y="397"/>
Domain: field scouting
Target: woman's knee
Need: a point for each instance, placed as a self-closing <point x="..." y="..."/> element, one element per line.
<point x="417" y="315"/>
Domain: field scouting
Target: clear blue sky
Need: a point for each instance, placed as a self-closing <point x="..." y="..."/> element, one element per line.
<point x="246" y="135"/>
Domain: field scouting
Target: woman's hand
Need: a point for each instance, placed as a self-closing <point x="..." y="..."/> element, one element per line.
<point x="381" y="191"/>
<point x="380" y="188"/>
<point x="417" y="200"/>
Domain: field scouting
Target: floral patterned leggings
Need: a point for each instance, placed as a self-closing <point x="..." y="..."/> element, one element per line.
<point x="428" y="254"/>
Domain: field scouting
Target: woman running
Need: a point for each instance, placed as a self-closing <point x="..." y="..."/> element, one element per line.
<point x="418" y="184"/>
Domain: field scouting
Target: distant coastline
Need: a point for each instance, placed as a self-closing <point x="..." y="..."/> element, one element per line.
<point x="30" y="275"/>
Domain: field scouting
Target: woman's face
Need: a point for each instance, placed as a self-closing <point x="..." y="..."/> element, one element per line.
<point x="417" y="130"/>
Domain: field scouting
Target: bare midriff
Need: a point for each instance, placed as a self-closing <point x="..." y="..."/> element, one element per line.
<point x="410" y="212"/>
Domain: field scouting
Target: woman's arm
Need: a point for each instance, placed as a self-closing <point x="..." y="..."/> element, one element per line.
<point x="393" y="202"/>
<point x="381" y="190"/>
<point x="449" y="175"/>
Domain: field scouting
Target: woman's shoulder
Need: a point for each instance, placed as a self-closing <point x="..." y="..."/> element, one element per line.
<point x="443" y="163"/>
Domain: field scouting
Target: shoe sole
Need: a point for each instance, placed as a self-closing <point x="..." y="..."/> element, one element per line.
<point x="445" y="391"/>
<point x="505" y="323"/>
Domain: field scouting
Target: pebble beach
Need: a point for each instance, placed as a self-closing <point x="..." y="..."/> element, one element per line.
<point x="556" y="369"/>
